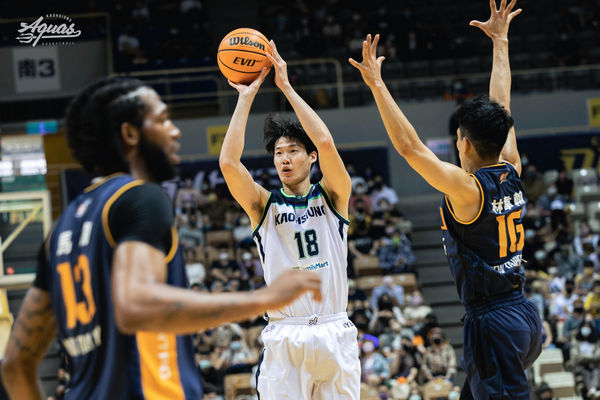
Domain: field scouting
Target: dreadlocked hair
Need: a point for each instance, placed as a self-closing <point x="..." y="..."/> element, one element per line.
<point x="93" y="121"/>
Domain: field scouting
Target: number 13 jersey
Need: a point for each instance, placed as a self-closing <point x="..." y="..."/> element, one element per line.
<point x="485" y="254"/>
<point x="305" y="232"/>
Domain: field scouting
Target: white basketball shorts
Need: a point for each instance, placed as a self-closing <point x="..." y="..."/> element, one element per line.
<point x="309" y="358"/>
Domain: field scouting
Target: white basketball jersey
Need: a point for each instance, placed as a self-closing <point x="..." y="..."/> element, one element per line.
<point x="305" y="232"/>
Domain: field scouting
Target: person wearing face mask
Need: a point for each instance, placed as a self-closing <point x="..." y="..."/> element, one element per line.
<point x="242" y="233"/>
<point x="562" y="304"/>
<point x="533" y="183"/>
<point x="415" y="311"/>
<point x="190" y="232"/>
<point x="570" y="326"/>
<point x="592" y="301"/>
<point x="568" y="262"/>
<point x="585" y="358"/>
<point x="584" y="282"/>
<point x="386" y="219"/>
<point x="237" y="357"/>
<point x="545" y="200"/>
<point x="394" y="292"/>
<point x="440" y="358"/>
<point x="381" y="191"/>
<point x="395" y="254"/>
<point x="585" y="236"/>
<point x="374" y="366"/>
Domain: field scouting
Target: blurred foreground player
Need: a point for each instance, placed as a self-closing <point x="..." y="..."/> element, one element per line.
<point x="481" y="220"/>
<point x="111" y="274"/>
<point x="311" y="351"/>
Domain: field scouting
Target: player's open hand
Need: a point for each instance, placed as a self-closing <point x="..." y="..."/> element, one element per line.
<point x="290" y="285"/>
<point x="251" y="89"/>
<point x="370" y="67"/>
<point x="496" y="27"/>
<point x="281" y="75"/>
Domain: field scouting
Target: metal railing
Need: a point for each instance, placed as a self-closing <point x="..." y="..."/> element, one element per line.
<point x="212" y="73"/>
<point x="556" y="76"/>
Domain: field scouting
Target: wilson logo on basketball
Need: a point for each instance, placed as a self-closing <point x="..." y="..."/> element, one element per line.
<point x="245" y="41"/>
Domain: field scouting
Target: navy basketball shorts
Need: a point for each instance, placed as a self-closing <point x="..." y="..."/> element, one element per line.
<point x="500" y="343"/>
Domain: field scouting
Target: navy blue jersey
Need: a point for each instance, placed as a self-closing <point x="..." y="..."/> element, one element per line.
<point x="104" y="363"/>
<point x="485" y="254"/>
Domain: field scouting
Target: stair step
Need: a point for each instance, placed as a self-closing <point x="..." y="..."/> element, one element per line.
<point x="440" y="295"/>
<point x="435" y="275"/>
<point x="449" y="314"/>
<point x="428" y="256"/>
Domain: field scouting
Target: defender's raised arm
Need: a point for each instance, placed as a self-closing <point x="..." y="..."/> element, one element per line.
<point x="496" y="27"/>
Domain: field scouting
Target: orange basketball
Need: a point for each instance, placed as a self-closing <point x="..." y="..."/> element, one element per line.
<point x="241" y="55"/>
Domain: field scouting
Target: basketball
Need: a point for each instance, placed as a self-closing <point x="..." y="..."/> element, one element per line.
<point x="242" y="55"/>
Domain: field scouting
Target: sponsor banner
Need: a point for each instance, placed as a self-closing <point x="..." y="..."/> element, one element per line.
<point x="571" y="150"/>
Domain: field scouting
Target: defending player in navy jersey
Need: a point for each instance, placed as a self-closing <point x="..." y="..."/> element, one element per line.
<point x="481" y="219"/>
<point x="311" y="349"/>
<point x="111" y="277"/>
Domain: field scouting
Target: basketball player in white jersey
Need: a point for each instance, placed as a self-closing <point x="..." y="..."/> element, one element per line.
<point x="311" y="350"/>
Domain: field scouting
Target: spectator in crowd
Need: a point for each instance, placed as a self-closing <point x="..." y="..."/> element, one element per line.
<point x="585" y="358"/>
<point x="225" y="268"/>
<point x="562" y="304"/>
<point x="194" y="268"/>
<point x="415" y="312"/>
<point x="383" y="315"/>
<point x="394" y="292"/>
<point x="591" y="303"/>
<point x="360" y="202"/>
<point x="564" y="185"/>
<point x="544" y="392"/>
<point x="395" y="254"/>
<point x="584" y="282"/>
<point x="585" y="236"/>
<point x="570" y="327"/>
<point x="532" y="292"/>
<point x="374" y="366"/>
<point x="557" y="282"/>
<point x="212" y="379"/>
<point x="547" y="336"/>
<point x="408" y="360"/>
<point x="190" y="232"/>
<point x="251" y="264"/>
<point x="533" y="183"/>
<point x="237" y="357"/>
<point x="357" y="298"/>
<point x="595" y="258"/>
<point x="216" y="210"/>
<point x="568" y="262"/>
<point x="140" y="13"/>
<point x="440" y="358"/>
<point x="242" y="233"/>
<point x="385" y="220"/>
<point x="129" y="46"/>
<point x="381" y="191"/>
<point x="188" y="197"/>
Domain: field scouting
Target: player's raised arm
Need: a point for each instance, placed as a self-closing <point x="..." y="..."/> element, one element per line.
<point x="496" y="27"/>
<point x="445" y="177"/>
<point x="336" y="180"/>
<point x="251" y="196"/>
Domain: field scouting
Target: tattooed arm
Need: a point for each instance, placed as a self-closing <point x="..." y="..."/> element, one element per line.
<point x="142" y="300"/>
<point x="32" y="333"/>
